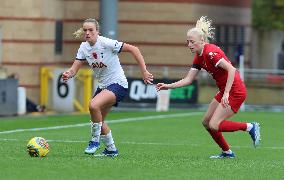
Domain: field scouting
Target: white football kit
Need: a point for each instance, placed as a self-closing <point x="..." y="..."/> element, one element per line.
<point x="103" y="59"/>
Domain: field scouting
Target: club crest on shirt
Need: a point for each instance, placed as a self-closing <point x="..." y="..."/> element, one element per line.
<point x="211" y="55"/>
<point x="95" y="55"/>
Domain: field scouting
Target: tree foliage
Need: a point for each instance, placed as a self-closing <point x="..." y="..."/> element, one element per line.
<point x="268" y="14"/>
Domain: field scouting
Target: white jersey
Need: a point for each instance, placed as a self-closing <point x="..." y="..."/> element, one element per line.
<point x="103" y="59"/>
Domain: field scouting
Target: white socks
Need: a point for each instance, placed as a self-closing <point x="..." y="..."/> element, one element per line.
<point x="228" y="152"/>
<point x="108" y="141"/>
<point x="96" y="129"/>
<point x="249" y="127"/>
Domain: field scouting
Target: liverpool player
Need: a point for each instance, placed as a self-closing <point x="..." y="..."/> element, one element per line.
<point x="232" y="90"/>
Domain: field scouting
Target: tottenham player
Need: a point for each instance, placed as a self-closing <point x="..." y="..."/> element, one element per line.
<point x="101" y="54"/>
<point x="232" y="91"/>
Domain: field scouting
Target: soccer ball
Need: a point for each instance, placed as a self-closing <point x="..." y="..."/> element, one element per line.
<point x="37" y="147"/>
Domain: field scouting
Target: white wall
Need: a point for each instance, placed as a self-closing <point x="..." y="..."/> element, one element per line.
<point x="266" y="45"/>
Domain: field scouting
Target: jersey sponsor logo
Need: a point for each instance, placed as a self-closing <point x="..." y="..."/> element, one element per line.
<point x="98" y="65"/>
<point x="95" y="55"/>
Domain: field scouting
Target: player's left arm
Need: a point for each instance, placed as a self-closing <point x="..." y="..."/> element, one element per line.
<point x="147" y="76"/>
<point x="231" y="75"/>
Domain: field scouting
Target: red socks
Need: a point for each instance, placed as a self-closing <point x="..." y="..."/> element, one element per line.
<point x="219" y="139"/>
<point x="230" y="126"/>
<point x="226" y="126"/>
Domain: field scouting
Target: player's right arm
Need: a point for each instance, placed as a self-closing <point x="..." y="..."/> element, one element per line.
<point x="72" y="71"/>
<point x="193" y="72"/>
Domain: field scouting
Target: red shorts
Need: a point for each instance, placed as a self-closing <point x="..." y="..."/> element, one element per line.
<point x="236" y="98"/>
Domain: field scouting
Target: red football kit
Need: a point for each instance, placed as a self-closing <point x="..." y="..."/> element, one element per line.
<point x="209" y="59"/>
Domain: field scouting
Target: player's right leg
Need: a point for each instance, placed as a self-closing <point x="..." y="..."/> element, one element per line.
<point x="100" y="101"/>
<point x="217" y="136"/>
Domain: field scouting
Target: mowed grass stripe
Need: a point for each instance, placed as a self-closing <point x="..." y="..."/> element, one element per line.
<point x="148" y="143"/>
<point x="145" y="118"/>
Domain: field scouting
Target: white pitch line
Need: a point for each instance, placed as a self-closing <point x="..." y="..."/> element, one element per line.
<point x="187" y="144"/>
<point x="153" y="143"/>
<point x="146" y="118"/>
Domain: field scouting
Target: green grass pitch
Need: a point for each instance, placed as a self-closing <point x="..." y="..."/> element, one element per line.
<point x="165" y="145"/>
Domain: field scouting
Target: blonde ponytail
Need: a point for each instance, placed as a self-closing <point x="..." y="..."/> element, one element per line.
<point x="204" y="28"/>
<point x="80" y="32"/>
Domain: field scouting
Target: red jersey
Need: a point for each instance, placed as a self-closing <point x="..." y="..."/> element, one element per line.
<point x="209" y="60"/>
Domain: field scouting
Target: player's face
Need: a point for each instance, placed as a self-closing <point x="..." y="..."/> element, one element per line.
<point x="195" y="43"/>
<point x="90" y="32"/>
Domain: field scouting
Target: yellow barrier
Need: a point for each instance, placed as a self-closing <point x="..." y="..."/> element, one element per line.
<point x="45" y="76"/>
<point x="84" y="76"/>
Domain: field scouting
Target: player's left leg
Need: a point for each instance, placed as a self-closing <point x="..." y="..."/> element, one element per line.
<point x="220" y="123"/>
<point x="106" y="136"/>
<point x="119" y="92"/>
<point x="100" y="101"/>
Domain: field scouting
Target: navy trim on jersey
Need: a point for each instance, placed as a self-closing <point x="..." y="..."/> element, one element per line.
<point x="121" y="47"/>
<point x="196" y="66"/>
<point x="81" y="59"/>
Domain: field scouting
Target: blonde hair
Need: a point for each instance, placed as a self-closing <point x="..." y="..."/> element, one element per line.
<point x="204" y="28"/>
<point x="79" y="33"/>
